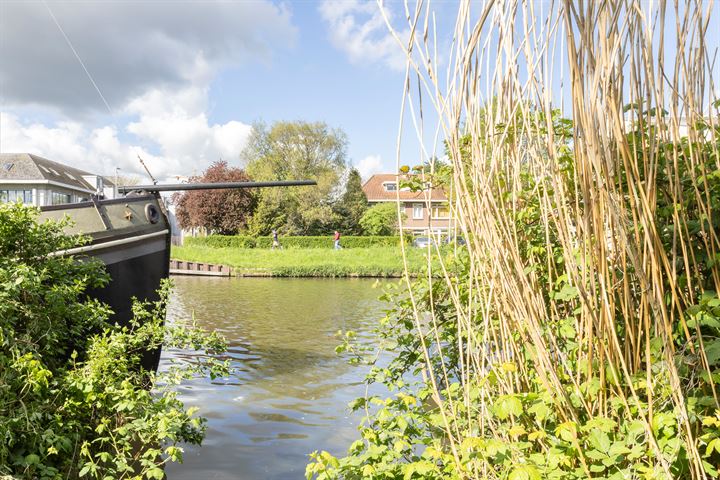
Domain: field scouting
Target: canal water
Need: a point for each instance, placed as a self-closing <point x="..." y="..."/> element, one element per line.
<point x="290" y="390"/>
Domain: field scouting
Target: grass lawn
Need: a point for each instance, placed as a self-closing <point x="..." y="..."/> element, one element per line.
<point x="311" y="262"/>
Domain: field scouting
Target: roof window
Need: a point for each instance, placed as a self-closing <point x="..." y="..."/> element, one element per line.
<point x="8" y="166"/>
<point x="44" y="168"/>
<point x="69" y="175"/>
<point x="390" y="186"/>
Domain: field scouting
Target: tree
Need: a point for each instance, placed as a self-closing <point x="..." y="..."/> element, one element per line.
<point x="222" y="211"/>
<point x="352" y="205"/>
<point x="380" y="219"/>
<point x="296" y="151"/>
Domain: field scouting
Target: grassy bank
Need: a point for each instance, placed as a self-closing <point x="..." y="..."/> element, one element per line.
<point x="361" y="262"/>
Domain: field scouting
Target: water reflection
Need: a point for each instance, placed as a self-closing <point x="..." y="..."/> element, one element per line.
<point x="290" y="393"/>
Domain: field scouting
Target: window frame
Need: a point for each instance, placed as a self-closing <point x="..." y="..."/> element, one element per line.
<point x="438" y="206"/>
<point x="415" y="207"/>
<point x="55" y="196"/>
<point x="387" y="184"/>
<point x="12" y="195"/>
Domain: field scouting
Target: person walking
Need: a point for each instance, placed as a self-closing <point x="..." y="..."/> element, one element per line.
<point x="276" y="242"/>
<point x="337" y="240"/>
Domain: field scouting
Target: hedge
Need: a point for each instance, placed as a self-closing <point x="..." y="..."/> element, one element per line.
<point x="241" y="241"/>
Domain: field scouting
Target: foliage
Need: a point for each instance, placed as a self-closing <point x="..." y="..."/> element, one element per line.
<point x="74" y="400"/>
<point x="579" y="337"/>
<point x="374" y="261"/>
<point x="325" y="241"/>
<point x="222" y="211"/>
<point x="506" y="419"/>
<point x="296" y="151"/>
<point x="351" y="206"/>
<point x="380" y="219"/>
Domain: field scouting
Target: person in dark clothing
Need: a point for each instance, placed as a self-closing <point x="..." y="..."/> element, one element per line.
<point x="276" y="242"/>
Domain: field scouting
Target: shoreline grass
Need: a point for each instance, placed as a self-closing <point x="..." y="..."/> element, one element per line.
<point x="348" y="262"/>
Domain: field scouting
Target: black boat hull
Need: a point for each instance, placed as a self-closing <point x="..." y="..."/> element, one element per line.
<point x="131" y="236"/>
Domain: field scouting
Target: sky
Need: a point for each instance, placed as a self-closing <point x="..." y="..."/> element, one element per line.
<point x="97" y="83"/>
<point x="94" y="84"/>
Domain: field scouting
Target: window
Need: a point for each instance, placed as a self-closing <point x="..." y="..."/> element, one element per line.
<point x="440" y="211"/>
<point x="8" y="166"/>
<point x="25" y="196"/>
<point x="58" y="198"/>
<point x="417" y="211"/>
<point x="390" y="186"/>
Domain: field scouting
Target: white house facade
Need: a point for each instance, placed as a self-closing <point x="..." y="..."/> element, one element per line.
<point x="35" y="180"/>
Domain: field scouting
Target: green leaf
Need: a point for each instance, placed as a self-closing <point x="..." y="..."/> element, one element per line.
<point x="156" y="473"/>
<point x="567" y="293"/>
<point x="507" y="405"/>
<point x="599" y="440"/>
<point x="85" y="469"/>
<point x="712" y="351"/>
<point x="524" y="472"/>
<point x="540" y="410"/>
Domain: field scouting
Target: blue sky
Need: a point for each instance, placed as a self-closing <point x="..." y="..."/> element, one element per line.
<point x="183" y="81"/>
<point x="313" y="80"/>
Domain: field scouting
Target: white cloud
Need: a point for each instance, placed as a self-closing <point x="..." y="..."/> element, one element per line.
<point x="153" y="62"/>
<point x="95" y="150"/>
<point x="170" y="131"/>
<point x="358" y="28"/>
<point x="370" y="165"/>
<point x="128" y="47"/>
<point x="177" y="123"/>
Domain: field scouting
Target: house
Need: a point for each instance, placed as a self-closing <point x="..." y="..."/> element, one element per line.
<point x="426" y="211"/>
<point x="38" y="181"/>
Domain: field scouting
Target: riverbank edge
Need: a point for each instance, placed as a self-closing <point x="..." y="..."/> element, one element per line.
<point x="255" y="274"/>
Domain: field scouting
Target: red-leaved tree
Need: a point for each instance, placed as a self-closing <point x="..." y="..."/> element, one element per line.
<point x="222" y="211"/>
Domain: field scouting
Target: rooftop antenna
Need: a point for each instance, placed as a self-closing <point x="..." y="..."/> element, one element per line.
<point x="142" y="162"/>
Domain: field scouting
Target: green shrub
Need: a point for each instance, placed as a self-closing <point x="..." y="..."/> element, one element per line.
<point x="326" y="241"/>
<point x="380" y="219"/>
<point x="74" y="400"/>
<point x="222" y="241"/>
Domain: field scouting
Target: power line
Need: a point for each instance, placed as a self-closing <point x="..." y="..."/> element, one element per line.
<point x="87" y="72"/>
<point x="82" y="64"/>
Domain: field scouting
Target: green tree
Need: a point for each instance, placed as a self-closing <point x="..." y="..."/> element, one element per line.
<point x="352" y="205"/>
<point x="296" y="151"/>
<point x="381" y="219"/>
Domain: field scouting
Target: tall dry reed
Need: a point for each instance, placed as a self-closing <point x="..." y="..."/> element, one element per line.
<point x="604" y="226"/>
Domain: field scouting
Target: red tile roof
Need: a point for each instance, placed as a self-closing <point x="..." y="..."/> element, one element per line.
<point x="375" y="191"/>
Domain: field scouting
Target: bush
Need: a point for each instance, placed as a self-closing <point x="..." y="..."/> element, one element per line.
<point x="380" y="219"/>
<point x="73" y="395"/>
<point x="239" y="241"/>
